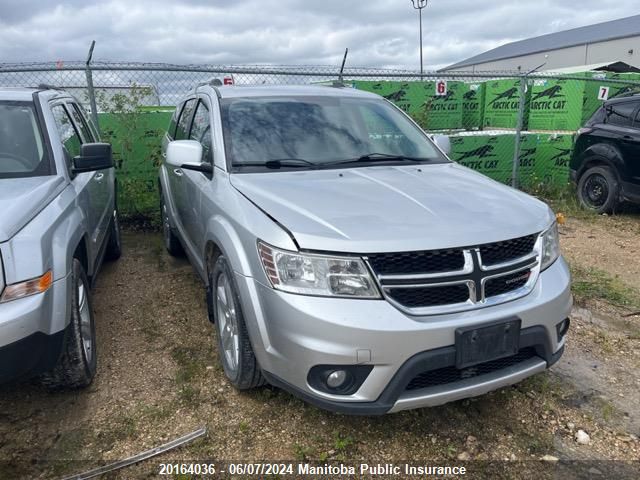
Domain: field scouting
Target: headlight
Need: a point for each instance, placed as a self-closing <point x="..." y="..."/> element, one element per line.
<point x="550" y="246"/>
<point x="312" y="274"/>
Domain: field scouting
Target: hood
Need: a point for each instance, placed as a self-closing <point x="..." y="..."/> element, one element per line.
<point x="21" y="199"/>
<point x="391" y="208"/>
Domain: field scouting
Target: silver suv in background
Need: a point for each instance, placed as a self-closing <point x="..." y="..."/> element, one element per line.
<point x="58" y="220"/>
<point x="348" y="260"/>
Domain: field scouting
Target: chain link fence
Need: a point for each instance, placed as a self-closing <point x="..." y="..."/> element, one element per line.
<point x="516" y="128"/>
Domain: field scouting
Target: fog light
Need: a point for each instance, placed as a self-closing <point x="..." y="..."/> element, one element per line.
<point x="336" y="379"/>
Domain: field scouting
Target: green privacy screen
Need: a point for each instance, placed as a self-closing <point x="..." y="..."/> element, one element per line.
<point x="136" y="138"/>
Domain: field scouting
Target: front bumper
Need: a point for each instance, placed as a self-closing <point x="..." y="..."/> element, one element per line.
<point x="293" y="333"/>
<point x="27" y="342"/>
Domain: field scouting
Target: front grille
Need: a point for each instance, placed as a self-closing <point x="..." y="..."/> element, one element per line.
<point x="501" y="252"/>
<point x="426" y="271"/>
<point x="409" y="263"/>
<point x="506" y="283"/>
<point x="430" y="296"/>
<point x="443" y="376"/>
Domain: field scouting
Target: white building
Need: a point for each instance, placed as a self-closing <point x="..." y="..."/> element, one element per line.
<point x="602" y="43"/>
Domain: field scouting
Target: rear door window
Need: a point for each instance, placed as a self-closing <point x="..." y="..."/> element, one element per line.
<point x="182" y="132"/>
<point x="201" y="131"/>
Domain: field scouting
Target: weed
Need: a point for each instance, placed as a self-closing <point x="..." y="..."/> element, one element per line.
<point x="189" y="395"/>
<point x="561" y="198"/>
<point x="302" y="453"/>
<point x="190" y="366"/>
<point x="342" y="443"/>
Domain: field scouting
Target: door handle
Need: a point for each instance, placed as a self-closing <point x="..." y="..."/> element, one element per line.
<point x="178" y="172"/>
<point x="98" y="177"/>
<point x="627" y="137"/>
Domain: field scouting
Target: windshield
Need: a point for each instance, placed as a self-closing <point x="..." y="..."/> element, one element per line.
<point x="317" y="132"/>
<point x="22" y="152"/>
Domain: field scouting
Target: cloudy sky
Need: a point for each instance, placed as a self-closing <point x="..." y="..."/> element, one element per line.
<point x="381" y="33"/>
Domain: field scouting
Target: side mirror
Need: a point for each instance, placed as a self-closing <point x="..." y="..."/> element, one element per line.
<point x="443" y="142"/>
<point x="187" y="154"/>
<point x="93" y="156"/>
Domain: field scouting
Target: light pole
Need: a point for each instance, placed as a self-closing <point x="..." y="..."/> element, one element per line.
<point x="419" y="5"/>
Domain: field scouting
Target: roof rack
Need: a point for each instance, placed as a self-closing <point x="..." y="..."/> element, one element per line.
<point x="214" y="82"/>
<point x="46" y="86"/>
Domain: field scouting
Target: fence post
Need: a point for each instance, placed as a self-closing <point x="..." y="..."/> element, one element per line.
<point x="91" y="92"/>
<point x="520" y="125"/>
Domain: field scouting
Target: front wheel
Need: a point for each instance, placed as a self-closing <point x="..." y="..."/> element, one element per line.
<point x="78" y="361"/>
<point x="599" y="190"/>
<point x="234" y="348"/>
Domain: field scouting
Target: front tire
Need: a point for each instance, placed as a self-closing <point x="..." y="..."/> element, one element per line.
<point x="77" y="364"/>
<point x="234" y="348"/>
<point x="599" y="190"/>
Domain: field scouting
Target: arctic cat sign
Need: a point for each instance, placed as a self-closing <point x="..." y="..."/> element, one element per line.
<point x="555" y="105"/>
<point x="434" y="109"/>
<point x="487" y="153"/>
<point x="544" y="158"/>
<point x="502" y="103"/>
<point x="566" y="104"/>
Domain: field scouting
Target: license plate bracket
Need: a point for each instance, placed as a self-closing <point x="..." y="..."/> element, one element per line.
<point x="487" y="342"/>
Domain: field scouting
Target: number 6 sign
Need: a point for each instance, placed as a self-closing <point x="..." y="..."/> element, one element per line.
<point x="603" y="93"/>
<point x="441" y="88"/>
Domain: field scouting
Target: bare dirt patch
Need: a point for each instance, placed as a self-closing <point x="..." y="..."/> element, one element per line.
<point x="159" y="378"/>
<point x="611" y="244"/>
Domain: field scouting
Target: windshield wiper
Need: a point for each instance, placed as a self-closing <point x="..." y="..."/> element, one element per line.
<point x="279" y="163"/>
<point x="377" y="157"/>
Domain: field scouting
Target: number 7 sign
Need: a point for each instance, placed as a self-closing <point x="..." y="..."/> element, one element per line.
<point x="603" y="93"/>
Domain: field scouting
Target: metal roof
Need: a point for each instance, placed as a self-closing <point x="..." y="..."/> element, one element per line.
<point x="600" y="32"/>
<point x="617" y="67"/>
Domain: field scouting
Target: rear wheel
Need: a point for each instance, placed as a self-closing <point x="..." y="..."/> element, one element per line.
<point x="171" y="241"/>
<point x="599" y="190"/>
<point x="236" y="354"/>
<point x="78" y="361"/>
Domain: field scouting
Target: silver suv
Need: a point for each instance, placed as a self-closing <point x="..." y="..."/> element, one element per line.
<point x="58" y="220"/>
<point x="347" y="260"/>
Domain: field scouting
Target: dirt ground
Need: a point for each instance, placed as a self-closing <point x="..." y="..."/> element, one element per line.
<point x="159" y="378"/>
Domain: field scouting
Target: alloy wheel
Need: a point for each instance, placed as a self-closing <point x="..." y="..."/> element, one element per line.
<point x="227" y="322"/>
<point x="86" y="331"/>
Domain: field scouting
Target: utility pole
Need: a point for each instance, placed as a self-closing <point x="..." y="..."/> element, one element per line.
<point x="420" y="5"/>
